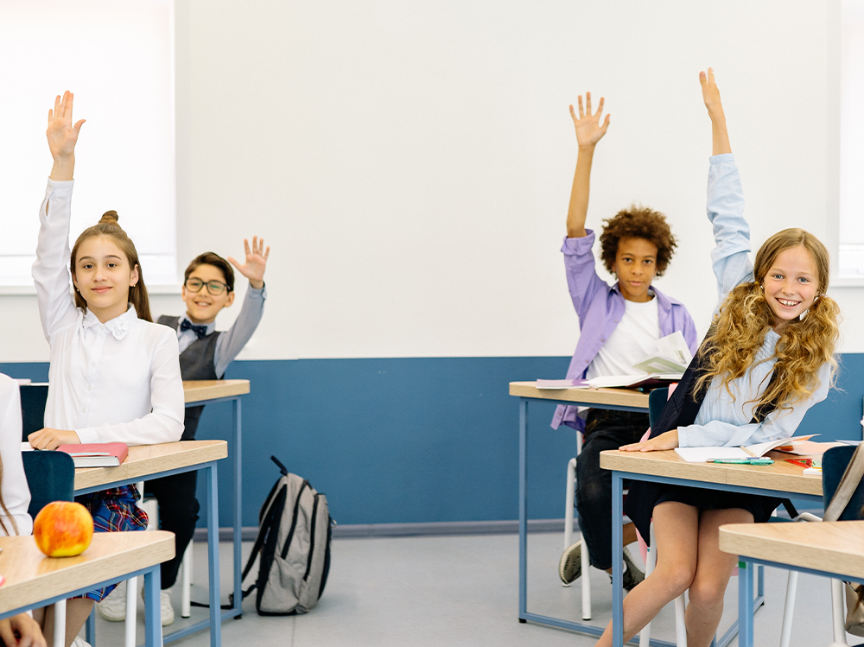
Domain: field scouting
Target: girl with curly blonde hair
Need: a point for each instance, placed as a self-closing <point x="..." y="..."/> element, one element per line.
<point x="768" y="357"/>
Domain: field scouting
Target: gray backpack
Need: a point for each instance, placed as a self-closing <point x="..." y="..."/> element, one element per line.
<point x="294" y="530"/>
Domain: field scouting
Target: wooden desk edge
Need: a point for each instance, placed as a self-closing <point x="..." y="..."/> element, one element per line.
<point x="204" y="451"/>
<point x="617" y="397"/>
<point x="203" y="390"/>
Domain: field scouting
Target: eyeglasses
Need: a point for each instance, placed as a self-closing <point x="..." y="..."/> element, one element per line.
<point x="215" y="288"/>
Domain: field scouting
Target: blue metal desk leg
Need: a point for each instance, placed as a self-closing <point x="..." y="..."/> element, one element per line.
<point x="153" y="616"/>
<point x="745" y="603"/>
<point x="212" y="557"/>
<point x="238" y="499"/>
<point x="90" y="627"/>
<point x="617" y="551"/>
<point x="523" y="509"/>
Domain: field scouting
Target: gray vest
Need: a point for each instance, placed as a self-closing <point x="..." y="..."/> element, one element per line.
<point x="197" y="362"/>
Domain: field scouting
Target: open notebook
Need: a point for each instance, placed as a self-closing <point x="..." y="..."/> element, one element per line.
<point x="708" y="454"/>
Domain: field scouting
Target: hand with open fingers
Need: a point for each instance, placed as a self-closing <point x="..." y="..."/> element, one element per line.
<point x="710" y="93"/>
<point x="21" y="631"/>
<point x="588" y="128"/>
<point x="256" y="262"/>
<point x="62" y="135"/>
<point x="669" y="440"/>
<point x="48" y="438"/>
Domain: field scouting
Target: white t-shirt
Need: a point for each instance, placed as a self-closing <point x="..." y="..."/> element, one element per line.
<point x="635" y="337"/>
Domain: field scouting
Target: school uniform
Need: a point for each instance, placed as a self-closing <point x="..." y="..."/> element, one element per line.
<point x="614" y="334"/>
<point x="117" y="381"/>
<point x="205" y="354"/>
<point x="16" y="494"/>
<point x="715" y="417"/>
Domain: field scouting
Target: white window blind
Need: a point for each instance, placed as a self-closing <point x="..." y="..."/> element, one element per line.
<point x="851" y="249"/>
<point x="117" y="56"/>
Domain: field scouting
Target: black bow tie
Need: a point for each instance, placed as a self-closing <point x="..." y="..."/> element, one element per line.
<point x="201" y="331"/>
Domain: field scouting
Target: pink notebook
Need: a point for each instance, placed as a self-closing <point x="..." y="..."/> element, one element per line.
<point x="96" y="454"/>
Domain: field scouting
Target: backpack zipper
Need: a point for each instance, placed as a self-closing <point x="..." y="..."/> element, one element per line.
<point x="293" y="521"/>
<point x="311" y="539"/>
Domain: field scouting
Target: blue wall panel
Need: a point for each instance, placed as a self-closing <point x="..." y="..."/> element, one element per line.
<point x="419" y="440"/>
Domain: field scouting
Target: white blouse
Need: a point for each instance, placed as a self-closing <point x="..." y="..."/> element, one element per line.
<point x="112" y="382"/>
<point x="16" y="494"/>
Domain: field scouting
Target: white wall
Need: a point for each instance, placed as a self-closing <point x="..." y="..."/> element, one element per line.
<point x="410" y="163"/>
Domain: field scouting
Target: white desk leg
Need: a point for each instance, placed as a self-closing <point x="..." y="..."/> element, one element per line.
<point x="788" y="608"/>
<point x="186" y="583"/>
<point x="131" y="611"/>
<point x="838" y="605"/>
<point x="60" y="622"/>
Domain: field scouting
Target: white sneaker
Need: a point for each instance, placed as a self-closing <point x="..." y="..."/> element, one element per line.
<point x="113" y="607"/>
<point x="80" y="642"/>
<point x="166" y="606"/>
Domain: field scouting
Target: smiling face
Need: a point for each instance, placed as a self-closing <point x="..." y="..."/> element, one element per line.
<point x="791" y="285"/>
<point x="103" y="276"/>
<point x="202" y="307"/>
<point x="635" y="265"/>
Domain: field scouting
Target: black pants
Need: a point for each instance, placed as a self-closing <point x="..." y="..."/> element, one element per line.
<point x="178" y="512"/>
<point x="603" y="430"/>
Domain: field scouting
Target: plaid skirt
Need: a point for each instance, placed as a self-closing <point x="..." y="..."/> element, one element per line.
<point x="113" y="510"/>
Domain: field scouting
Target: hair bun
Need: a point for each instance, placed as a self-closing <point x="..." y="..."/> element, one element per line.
<point x="110" y="217"/>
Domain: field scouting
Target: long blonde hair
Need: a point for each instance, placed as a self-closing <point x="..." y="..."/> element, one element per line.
<point x="745" y="318"/>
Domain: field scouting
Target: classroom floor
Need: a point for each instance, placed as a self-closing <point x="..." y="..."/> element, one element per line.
<point x="459" y="591"/>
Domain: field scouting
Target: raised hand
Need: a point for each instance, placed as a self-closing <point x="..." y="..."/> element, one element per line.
<point x="711" y="96"/>
<point x="710" y="93"/>
<point x="62" y="135"/>
<point x="256" y="262"/>
<point x="588" y="128"/>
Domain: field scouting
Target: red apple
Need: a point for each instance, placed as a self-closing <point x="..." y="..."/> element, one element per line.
<point x="63" y="529"/>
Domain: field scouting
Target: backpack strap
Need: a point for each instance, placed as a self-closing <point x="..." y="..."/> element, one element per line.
<point x="849" y="482"/>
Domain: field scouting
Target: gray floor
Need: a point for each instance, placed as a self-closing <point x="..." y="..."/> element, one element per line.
<point x="455" y="591"/>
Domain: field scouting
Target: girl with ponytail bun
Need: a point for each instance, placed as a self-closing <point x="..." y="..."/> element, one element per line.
<point x="114" y="374"/>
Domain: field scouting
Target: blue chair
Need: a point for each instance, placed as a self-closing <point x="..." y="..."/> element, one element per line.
<point x="834" y="464"/>
<point x="33" y="400"/>
<point x="50" y="477"/>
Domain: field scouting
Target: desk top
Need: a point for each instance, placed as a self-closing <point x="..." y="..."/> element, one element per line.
<point x="617" y="397"/>
<point x="834" y="547"/>
<point x="779" y="476"/>
<point x="203" y="390"/>
<point x="32" y="577"/>
<point x="144" y="460"/>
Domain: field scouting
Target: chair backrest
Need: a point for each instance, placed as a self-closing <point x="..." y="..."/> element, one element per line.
<point x="834" y="463"/>
<point x="656" y="401"/>
<point x="50" y="476"/>
<point x="33" y="399"/>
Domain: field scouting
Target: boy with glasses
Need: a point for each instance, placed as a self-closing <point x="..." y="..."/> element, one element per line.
<point x="205" y="353"/>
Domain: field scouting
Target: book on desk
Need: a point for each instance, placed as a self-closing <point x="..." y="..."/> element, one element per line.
<point x="709" y="454"/>
<point x="92" y="454"/>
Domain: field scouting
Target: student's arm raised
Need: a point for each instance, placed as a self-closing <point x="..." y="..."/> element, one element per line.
<point x="711" y="97"/>
<point x="51" y="269"/>
<point x="256" y="262"/>
<point x="588" y="133"/>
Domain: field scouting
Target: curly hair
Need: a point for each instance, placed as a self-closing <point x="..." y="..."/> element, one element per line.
<point x="637" y="222"/>
<point x="745" y="318"/>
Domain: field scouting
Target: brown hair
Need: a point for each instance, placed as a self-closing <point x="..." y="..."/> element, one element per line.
<point x="745" y="318"/>
<point x="108" y="226"/>
<point x="637" y="222"/>
<point x="212" y="258"/>
<point x="5" y="509"/>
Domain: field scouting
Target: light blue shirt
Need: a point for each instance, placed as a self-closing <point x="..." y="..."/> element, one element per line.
<point x="724" y="419"/>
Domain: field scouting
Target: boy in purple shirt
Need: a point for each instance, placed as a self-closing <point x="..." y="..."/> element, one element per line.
<point x="619" y="325"/>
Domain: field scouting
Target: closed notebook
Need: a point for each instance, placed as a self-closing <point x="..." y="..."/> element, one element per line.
<point x="96" y="454"/>
<point x="707" y="454"/>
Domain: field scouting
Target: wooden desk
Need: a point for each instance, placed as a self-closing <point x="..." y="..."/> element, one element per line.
<point x="830" y="549"/>
<point x="781" y="480"/>
<point x="33" y="580"/>
<point x="156" y="461"/>
<point x="615" y="399"/>
<point x="202" y="392"/>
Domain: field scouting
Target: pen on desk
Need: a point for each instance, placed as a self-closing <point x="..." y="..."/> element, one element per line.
<point x="743" y="461"/>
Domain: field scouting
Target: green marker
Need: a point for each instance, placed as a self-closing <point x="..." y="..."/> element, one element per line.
<point x="744" y="461"/>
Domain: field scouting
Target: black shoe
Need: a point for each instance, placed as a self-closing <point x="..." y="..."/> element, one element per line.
<point x="570" y="564"/>
<point x="632" y="576"/>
